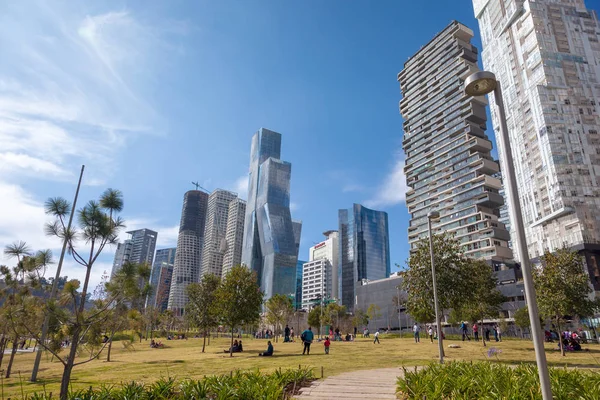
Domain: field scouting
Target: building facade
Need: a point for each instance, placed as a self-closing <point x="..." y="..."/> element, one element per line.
<point x="215" y="243"/>
<point x="165" y="277"/>
<point x="298" y="296"/>
<point x="317" y="279"/>
<point x="364" y="250"/>
<point x="166" y="256"/>
<point x="138" y="249"/>
<point x="234" y="235"/>
<point x="546" y="56"/>
<point x="188" y="256"/>
<point x="449" y="165"/>
<point x="269" y="246"/>
<point x="329" y="250"/>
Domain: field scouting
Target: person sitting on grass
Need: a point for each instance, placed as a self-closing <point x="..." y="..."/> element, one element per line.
<point x="269" y="351"/>
<point x="240" y="347"/>
<point x="233" y="349"/>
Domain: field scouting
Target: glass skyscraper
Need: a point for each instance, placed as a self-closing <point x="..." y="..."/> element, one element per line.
<point x="188" y="256"/>
<point x="269" y="246"/>
<point x="364" y="248"/>
<point x="163" y="256"/>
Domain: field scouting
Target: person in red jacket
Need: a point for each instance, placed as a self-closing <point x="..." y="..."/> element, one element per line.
<point x="327" y="343"/>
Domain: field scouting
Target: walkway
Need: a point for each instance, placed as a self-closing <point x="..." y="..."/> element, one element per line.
<point x="366" y="384"/>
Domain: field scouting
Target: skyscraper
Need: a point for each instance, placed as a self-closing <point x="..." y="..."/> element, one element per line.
<point x="234" y="236"/>
<point x="298" y="296"/>
<point x="364" y="250"/>
<point x="269" y="243"/>
<point x="166" y="256"/>
<point x="188" y="255"/>
<point x="163" y="287"/>
<point x="448" y="162"/>
<point x="215" y="243"/>
<point x="138" y="249"/>
<point x="545" y="54"/>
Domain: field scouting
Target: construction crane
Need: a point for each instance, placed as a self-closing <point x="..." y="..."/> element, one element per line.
<point x="199" y="187"/>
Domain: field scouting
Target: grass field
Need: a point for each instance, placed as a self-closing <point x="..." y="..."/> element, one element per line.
<point x="184" y="359"/>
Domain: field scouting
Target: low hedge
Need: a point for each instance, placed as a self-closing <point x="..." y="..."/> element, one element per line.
<point x="247" y="385"/>
<point x="484" y="380"/>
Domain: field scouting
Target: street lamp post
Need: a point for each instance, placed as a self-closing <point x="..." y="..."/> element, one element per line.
<point x="435" y="215"/>
<point x="479" y="84"/>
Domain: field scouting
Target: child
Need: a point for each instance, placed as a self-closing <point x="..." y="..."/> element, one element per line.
<point x="327" y="343"/>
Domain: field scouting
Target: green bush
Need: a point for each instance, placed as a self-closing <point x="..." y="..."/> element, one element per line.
<point x="483" y="381"/>
<point x="247" y="385"/>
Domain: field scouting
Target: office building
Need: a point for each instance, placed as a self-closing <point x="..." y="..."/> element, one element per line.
<point x="364" y="250"/>
<point x="188" y="255"/>
<point x="317" y="280"/>
<point x="297" y="227"/>
<point x="165" y="277"/>
<point x="215" y="233"/>
<point x="298" y="295"/>
<point x="166" y="256"/>
<point x="269" y="246"/>
<point x="449" y="166"/>
<point x="545" y="54"/>
<point x="137" y="249"/>
<point x="329" y="250"/>
<point x="234" y="235"/>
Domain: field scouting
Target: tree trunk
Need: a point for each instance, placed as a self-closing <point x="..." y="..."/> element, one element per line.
<point x="108" y="351"/>
<point x="231" y="347"/>
<point x="68" y="368"/>
<point x="204" y="342"/>
<point x="560" y="338"/>
<point x="12" y="356"/>
<point x="3" y="342"/>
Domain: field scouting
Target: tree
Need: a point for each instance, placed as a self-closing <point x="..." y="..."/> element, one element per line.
<point x="521" y="317"/>
<point x="332" y="314"/>
<point x="483" y="298"/>
<point x="201" y="309"/>
<point x="373" y="312"/>
<point x="563" y="288"/>
<point x="99" y="226"/>
<point x="279" y="309"/>
<point x="239" y="299"/>
<point x="314" y="316"/>
<point x="360" y="318"/>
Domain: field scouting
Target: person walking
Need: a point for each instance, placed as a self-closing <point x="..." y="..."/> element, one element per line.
<point x="499" y="333"/>
<point x="416" y="330"/>
<point x="292" y="333"/>
<point x="465" y="333"/>
<point x="307" y="338"/>
<point x="376" y="337"/>
<point x="430" y="333"/>
<point x="286" y="333"/>
<point x="496" y="332"/>
<point x="327" y="343"/>
<point x="476" y="332"/>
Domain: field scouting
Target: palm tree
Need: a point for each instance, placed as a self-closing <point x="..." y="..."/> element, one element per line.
<point x="19" y="250"/>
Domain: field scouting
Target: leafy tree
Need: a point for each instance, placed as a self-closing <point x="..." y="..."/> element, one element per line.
<point x="314" y="316"/>
<point x="521" y="317"/>
<point x="360" y="318"/>
<point x="373" y="312"/>
<point x="332" y="314"/>
<point x="239" y="299"/>
<point x="279" y="309"/>
<point x="201" y="310"/>
<point x="451" y="276"/>
<point x="563" y="288"/>
<point x="483" y="298"/>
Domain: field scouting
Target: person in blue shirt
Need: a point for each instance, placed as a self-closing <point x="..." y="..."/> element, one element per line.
<point x="307" y="338"/>
<point x="269" y="351"/>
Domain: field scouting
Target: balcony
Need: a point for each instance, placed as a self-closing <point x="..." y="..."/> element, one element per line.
<point x="490" y="200"/>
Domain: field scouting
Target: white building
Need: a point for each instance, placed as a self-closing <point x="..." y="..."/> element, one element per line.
<point x="215" y="231"/>
<point x="546" y="55"/>
<point x="138" y="249"/>
<point x="234" y="237"/>
<point x="319" y="274"/>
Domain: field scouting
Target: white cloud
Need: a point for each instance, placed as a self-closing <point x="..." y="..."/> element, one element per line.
<point x="393" y="189"/>
<point x="13" y="162"/>
<point x="241" y="186"/>
<point x="294" y="206"/>
<point x="167" y="235"/>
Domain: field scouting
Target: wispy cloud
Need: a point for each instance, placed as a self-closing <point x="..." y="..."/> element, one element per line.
<point x="167" y="234"/>
<point x="241" y="187"/>
<point x="392" y="190"/>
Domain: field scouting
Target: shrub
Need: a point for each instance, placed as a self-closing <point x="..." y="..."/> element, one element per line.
<point x="483" y="381"/>
<point x="247" y="385"/>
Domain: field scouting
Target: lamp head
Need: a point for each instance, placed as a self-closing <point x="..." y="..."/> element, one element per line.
<point x="433" y="215"/>
<point x="480" y="83"/>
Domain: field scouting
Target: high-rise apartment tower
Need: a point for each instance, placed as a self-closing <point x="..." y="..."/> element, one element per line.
<point x="215" y="233"/>
<point x="234" y="236"/>
<point x="162" y="256"/>
<point x="138" y="249"/>
<point x="546" y="56"/>
<point x="448" y="163"/>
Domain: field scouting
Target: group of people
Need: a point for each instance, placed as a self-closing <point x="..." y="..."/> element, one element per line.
<point x="464" y="328"/>
<point x="236" y="348"/>
<point x="571" y="341"/>
<point x="156" y="345"/>
<point x="264" y="334"/>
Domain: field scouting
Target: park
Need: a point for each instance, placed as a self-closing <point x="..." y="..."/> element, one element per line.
<point x="183" y="359"/>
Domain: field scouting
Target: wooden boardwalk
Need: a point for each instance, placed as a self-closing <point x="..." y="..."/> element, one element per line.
<point x="366" y="384"/>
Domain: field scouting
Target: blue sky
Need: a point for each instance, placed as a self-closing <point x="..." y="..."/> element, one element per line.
<point x="151" y="95"/>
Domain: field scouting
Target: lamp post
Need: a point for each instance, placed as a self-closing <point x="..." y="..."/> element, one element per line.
<point x="435" y="215"/>
<point x="479" y="84"/>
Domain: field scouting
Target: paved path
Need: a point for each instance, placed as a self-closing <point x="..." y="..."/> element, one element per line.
<point x="366" y="384"/>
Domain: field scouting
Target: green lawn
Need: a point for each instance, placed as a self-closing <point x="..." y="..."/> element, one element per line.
<point x="183" y="359"/>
